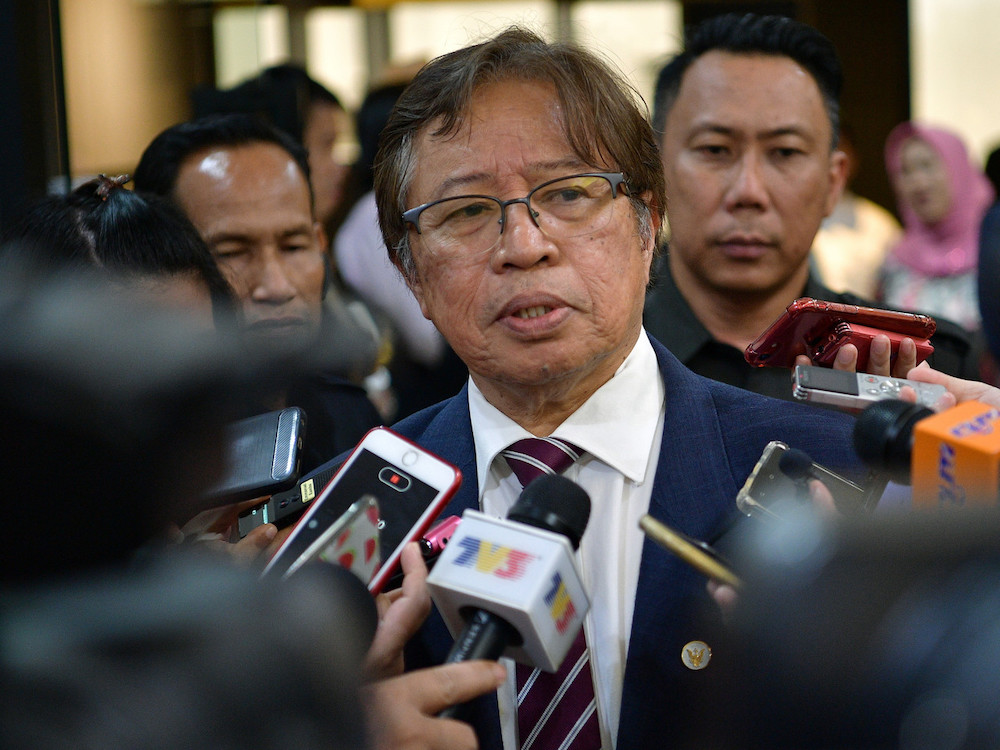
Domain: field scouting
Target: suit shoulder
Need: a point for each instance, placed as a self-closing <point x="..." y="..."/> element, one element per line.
<point x="417" y="423"/>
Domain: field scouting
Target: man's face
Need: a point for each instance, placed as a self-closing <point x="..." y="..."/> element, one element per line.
<point x="533" y="311"/>
<point x="749" y="172"/>
<point x="324" y="130"/>
<point x="251" y="205"/>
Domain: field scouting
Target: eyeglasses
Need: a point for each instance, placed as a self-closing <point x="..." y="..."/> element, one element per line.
<point x="562" y="208"/>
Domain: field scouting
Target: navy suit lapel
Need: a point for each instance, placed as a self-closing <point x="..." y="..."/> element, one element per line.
<point x="449" y="434"/>
<point x="685" y="496"/>
<point x="691" y="453"/>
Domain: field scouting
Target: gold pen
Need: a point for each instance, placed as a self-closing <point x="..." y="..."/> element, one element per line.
<point x="697" y="554"/>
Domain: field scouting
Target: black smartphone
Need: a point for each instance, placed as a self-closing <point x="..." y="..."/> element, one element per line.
<point x="262" y="456"/>
<point x="285" y="508"/>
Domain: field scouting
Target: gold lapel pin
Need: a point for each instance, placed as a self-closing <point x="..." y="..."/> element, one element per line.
<point x="696" y="655"/>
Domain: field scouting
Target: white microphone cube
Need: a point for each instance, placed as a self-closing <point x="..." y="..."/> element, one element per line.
<point x="525" y="575"/>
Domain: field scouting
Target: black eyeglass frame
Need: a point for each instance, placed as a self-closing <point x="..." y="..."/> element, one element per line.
<point x="616" y="179"/>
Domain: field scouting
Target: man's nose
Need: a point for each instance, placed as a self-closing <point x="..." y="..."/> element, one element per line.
<point x="748" y="188"/>
<point x="522" y="242"/>
<point x="271" y="283"/>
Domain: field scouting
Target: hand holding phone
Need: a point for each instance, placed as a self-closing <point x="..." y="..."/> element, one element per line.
<point x="262" y="456"/>
<point x="843" y="333"/>
<point x="410" y="484"/>
<point x="818" y="329"/>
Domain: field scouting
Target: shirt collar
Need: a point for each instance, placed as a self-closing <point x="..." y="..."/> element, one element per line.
<point x="616" y="425"/>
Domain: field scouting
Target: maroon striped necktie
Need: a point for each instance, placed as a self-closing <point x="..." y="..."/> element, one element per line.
<point x="554" y="711"/>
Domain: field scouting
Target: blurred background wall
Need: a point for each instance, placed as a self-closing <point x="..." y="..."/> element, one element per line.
<point x="88" y="83"/>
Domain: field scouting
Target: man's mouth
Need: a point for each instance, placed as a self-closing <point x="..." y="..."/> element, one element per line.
<point x="266" y="324"/>
<point x="533" y="312"/>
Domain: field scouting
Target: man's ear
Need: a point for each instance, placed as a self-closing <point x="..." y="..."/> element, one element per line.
<point x="838" y="179"/>
<point x="320" y="238"/>
<point x="655" y="222"/>
<point x="413" y="282"/>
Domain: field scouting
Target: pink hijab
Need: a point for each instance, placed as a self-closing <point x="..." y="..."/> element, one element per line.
<point x="951" y="246"/>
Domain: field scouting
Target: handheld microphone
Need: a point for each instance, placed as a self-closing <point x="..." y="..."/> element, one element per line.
<point x="798" y="466"/>
<point x="510" y="586"/>
<point x="952" y="458"/>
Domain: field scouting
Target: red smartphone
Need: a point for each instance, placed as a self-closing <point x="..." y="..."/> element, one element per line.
<point x="410" y="484"/>
<point x="807" y="325"/>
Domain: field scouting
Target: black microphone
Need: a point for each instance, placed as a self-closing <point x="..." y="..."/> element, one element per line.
<point x="950" y="457"/>
<point x="510" y="586"/>
<point x="883" y="436"/>
<point x="798" y="466"/>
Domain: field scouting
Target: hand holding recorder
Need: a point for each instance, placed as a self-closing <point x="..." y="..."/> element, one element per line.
<point x="853" y="391"/>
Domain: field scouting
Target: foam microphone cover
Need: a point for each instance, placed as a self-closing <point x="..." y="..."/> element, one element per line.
<point x="795" y="464"/>
<point x="883" y="436"/>
<point x="554" y="503"/>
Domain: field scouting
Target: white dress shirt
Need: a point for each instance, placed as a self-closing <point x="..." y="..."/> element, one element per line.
<point x="619" y="428"/>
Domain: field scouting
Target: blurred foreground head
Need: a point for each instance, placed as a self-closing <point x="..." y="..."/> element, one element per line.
<point x="111" y="417"/>
<point x="184" y="652"/>
<point x="881" y="632"/>
<point x="139" y="240"/>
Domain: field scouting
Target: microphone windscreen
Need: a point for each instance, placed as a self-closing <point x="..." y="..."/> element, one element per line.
<point x="795" y="464"/>
<point x="555" y="503"/>
<point x="883" y="436"/>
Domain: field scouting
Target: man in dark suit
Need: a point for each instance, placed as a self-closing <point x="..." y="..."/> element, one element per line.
<point x="520" y="194"/>
<point x="747" y="120"/>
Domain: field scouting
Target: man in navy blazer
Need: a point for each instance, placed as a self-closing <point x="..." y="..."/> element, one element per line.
<point x="520" y="193"/>
<point x="720" y="433"/>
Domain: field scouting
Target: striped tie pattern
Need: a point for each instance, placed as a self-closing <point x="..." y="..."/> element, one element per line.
<point x="554" y="711"/>
<point x="532" y="457"/>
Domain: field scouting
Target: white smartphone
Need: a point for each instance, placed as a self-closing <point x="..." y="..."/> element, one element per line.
<point x="854" y="391"/>
<point x="410" y="484"/>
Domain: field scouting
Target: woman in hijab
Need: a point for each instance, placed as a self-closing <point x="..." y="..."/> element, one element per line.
<point x="942" y="198"/>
